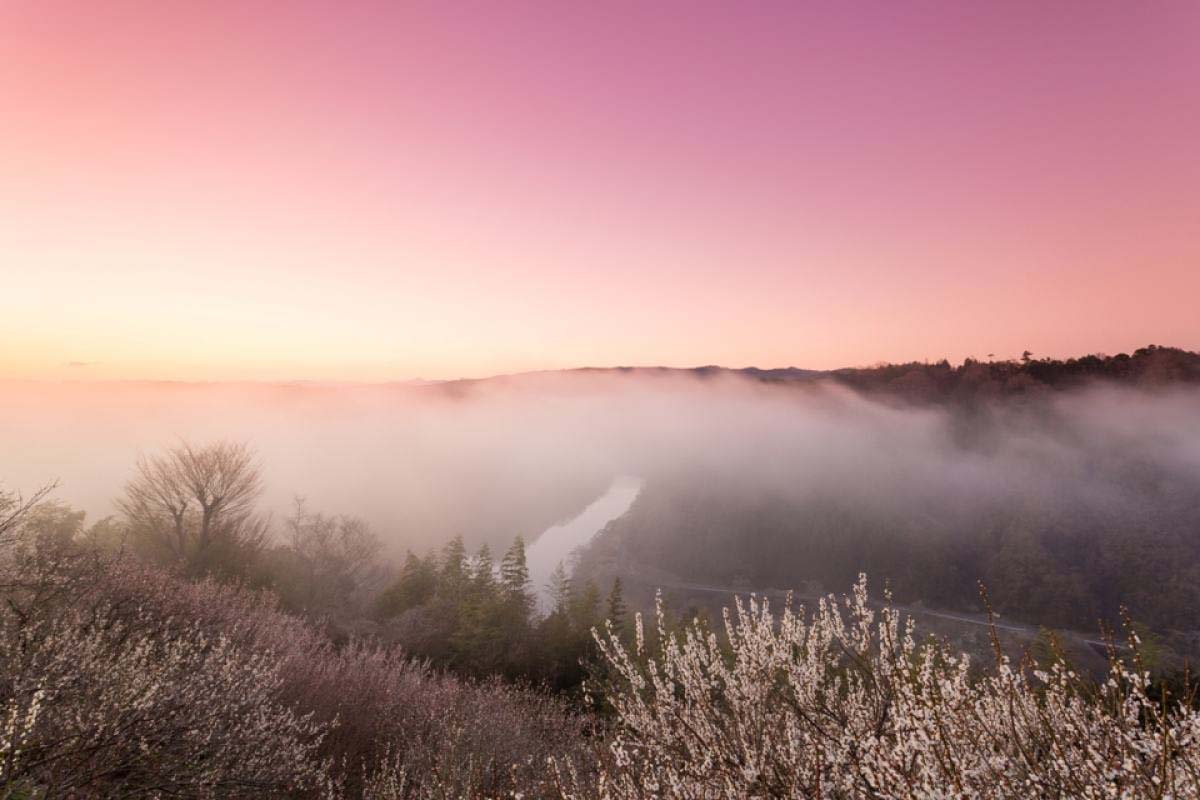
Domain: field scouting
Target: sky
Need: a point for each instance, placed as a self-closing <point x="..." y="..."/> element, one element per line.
<point x="385" y="191"/>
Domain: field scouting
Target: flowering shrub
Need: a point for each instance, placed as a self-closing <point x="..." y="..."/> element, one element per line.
<point x="389" y="721"/>
<point x="845" y="703"/>
<point x="102" y="707"/>
<point x="446" y="736"/>
<point x="122" y="679"/>
<point x="105" y="691"/>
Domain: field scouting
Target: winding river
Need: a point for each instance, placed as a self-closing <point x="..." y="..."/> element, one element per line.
<point x="558" y="542"/>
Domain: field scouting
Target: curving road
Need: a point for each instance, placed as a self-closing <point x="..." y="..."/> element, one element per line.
<point x="1029" y="631"/>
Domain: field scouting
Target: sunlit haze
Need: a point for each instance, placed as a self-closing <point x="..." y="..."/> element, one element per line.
<point x="599" y="399"/>
<point x="387" y="191"/>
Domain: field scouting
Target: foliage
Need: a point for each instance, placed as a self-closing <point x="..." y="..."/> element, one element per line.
<point x="1068" y="505"/>
<point x="114" y="707"/>
<point x="104" y="698"/>
<point x="975" y="382"/>
<point x="328" y="565"/>
<point x="845" y="703"/>
<point x="120" y="678"/>
<point x="462" y="613"/>
<point x="149" y="675"/>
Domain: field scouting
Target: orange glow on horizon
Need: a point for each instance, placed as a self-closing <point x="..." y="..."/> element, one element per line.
<point x="384" y="192"/>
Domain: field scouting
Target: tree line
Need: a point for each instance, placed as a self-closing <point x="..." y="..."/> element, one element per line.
<point x="979" y="380"/>
<point x="479" y="619"/>
<point x="193" y="509"/>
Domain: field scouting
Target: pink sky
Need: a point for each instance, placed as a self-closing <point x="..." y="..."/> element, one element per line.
<point x="371" y="191"/>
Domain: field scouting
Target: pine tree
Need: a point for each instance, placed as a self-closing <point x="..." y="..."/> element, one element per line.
<point x="454" y="564"/>
<point x="560" y="644"/>
<point x="483" y="570"/>
<point x="514" y="577"/>
<point x="477" y="644"/>
<point x="586" y="606"/>
<point x="616" y="606"/>
<point x="414" y="586"/>
<point x="559" y="588"/>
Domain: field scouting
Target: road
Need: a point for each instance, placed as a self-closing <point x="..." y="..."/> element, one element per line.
<point x="1029" y="631"/>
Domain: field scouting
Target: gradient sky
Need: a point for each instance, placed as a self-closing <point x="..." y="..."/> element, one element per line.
<point x="372" y="191"/>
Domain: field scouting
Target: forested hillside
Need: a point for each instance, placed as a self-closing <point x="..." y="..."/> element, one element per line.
<point x="1070" y="488"/>
<point x="979" y="380"/>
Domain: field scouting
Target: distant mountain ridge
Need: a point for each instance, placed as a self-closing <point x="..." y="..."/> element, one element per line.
<point x="920" y="381"/>
<point x="923" y="382"/>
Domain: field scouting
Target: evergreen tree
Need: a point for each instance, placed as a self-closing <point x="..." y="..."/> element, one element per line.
<point x="483" y="570"/>
<point x="616" y="606"/>
<point x="477" y="644"/>
<point x="559" y="588"/>
<point x="414" y="586"/>
<point x="514" y="577"/>
<point x="586" y="607"/>
<point x="454" y="564"/>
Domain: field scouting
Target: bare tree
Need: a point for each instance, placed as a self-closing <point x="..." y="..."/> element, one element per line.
<point x="14" y="507"/>
<point x="223" y="479"/>
<point x="193" y="500"/>
<point x="335" y="560"/>
<point x="155" y="497"/>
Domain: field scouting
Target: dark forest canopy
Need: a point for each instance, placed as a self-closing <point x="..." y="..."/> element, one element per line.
<point x="978" y="380"/>
<point x="923" y="381"/>
<point x="1069" y="488"/>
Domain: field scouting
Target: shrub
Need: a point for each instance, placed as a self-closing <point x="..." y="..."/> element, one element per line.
<point x="123" y="679"/>
<point x="104" y="707"/>
<point x="842" y="705"/>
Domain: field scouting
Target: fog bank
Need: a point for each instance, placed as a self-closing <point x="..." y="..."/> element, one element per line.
<point x="493" y="459"/>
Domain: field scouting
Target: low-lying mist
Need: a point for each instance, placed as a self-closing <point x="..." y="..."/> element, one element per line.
<point x="493" y="459"/>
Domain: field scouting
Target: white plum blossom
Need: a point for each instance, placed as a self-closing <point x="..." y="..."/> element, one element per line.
<point x="844" y="703"/>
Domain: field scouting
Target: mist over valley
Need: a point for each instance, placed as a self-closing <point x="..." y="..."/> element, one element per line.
<point x="1069" y="496"/>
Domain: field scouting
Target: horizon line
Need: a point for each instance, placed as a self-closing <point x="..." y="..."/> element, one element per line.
<point x="419" y="382"/>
